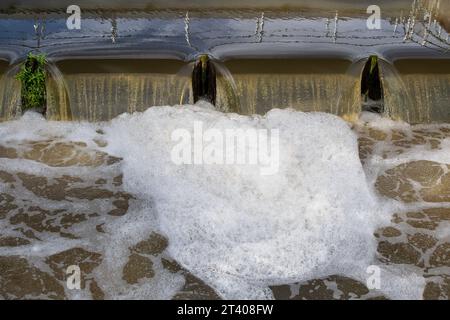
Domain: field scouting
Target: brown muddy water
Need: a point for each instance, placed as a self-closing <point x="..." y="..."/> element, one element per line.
<point x="51" y="207"/>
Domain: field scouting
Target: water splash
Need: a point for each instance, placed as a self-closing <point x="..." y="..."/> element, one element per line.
<point x="114" y="30"/>
<point x="259" y="33"/>
<point x="336" y="20"/>
<point x="187" y="33"/>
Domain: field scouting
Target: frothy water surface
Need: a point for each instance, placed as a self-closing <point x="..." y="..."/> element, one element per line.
<point x="107" y="197"/>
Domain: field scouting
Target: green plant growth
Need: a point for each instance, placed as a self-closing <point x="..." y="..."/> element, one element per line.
<point x="32" y="76"/>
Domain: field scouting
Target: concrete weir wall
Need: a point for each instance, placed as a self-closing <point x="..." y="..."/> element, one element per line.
<point x="271" y="54"/>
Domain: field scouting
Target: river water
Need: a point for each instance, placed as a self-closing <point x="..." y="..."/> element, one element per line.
<point x="106" y="196"/>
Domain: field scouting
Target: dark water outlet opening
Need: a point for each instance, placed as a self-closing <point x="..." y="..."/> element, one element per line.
<point x="32" y="76"/>
<point x="204" y="80"/>
<point x="372" y="87"/>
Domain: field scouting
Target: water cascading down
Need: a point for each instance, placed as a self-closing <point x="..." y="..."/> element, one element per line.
<point x="304" y="84"/>
<point x="10" y="91"/>
<point x="101" y="89"/>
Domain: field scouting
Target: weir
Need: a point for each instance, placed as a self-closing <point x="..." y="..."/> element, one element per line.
<point x="306" y="57"/>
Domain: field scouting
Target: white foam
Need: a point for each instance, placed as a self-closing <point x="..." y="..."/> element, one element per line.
<point x="241" y="231"/>
<point x="414" y="152"/>
<point x="234" y="228"/>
